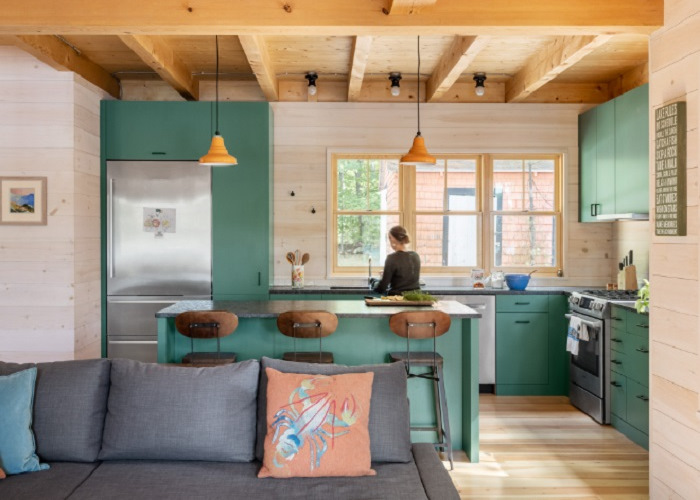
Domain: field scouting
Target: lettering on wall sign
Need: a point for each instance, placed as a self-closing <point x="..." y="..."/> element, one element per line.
<point x="670" y="158"/>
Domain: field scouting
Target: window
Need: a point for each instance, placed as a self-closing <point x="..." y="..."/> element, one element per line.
<point x="490" y="211"/>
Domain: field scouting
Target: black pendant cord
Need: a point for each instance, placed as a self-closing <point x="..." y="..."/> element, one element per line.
<point x="216" y="38"/>
<point x="418" y="97"/>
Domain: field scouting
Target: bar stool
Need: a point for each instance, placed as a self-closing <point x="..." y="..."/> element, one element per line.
<point x="207" y="325"/>
<point x="307" y="325"/>
<point x="424" y="325"/>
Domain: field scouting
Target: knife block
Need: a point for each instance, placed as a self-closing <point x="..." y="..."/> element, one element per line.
<point x="630" y="278"/>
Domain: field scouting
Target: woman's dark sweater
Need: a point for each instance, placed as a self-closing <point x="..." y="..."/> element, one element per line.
<point x="401" y="273"/>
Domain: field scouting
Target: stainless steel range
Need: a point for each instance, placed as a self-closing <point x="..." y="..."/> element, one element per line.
<point x="589" y="388"/>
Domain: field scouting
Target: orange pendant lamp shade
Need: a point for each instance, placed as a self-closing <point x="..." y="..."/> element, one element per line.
<point x="418" y="154"/>
<point x="218" y="155"/>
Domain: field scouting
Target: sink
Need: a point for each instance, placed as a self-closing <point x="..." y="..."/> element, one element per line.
<point x="350" y="287"/>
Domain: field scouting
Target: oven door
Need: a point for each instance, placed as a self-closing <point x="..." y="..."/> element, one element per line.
<point x="587" y="367"/>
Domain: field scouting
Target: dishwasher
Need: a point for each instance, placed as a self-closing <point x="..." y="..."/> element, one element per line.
<point x="486" y="305"/>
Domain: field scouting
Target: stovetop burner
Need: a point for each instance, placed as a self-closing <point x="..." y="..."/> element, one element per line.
<point x="612" y="295"/>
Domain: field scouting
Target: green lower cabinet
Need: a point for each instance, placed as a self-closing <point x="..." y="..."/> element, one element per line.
<point x="531" y="356"/>
<point x="618" y="395"/>
<point x="629" y="377"/>
<point x="521" y="344"/>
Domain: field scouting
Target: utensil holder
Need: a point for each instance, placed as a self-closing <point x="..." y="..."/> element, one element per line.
<point x="297" y="276"/>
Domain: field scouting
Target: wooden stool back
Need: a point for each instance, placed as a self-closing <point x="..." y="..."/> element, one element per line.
<point x="421" y="324"/>
<point x="309" y="324"/>
<point x="206" y="324"/>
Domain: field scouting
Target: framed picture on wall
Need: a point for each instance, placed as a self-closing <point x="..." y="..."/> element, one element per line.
<point x="23" y="200"/>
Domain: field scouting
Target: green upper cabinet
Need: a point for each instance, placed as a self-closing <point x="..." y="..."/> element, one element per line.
<point x="614" y="157"/>
<point x="605" y="177"/>
<point x="632" y="151"/>
<point x="241" y="228"/>
<point x="153" y="130"/>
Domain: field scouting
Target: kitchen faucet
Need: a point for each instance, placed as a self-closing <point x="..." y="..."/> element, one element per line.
<point x="369" y="277"/>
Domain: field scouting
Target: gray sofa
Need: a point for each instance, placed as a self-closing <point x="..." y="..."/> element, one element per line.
<point x="116" y="429"/>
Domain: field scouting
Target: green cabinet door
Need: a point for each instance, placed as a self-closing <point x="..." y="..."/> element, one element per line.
<point x="605" y="167"/>
<point x="153" y="130"/>
<point x="638" y="406"/>
<point x="522" y="351"/>
<point x="241" y="211"/>
<point x="618" y="395"/>
<point x="588" y="163"/>
<point x="632" y="151"/>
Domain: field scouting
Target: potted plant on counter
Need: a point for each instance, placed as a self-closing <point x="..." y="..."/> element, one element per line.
<point x="642" y="303"/>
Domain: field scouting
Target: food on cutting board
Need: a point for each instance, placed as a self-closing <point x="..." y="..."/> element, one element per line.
<point x="393" y="298"/>
<point x="417" y="295"/>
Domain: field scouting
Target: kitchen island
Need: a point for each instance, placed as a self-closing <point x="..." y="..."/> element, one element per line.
<point x="362" y="337"/>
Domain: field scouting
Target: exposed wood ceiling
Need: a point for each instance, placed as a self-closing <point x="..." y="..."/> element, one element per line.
<point x="535" y="51"/>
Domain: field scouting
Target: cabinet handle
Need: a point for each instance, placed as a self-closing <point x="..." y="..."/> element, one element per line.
<point x="642" y="397"/>
<point x="616" y="361"/>
<point x="615" y="384"/>
<point x="643" y="326"/>
<point x="258" y="278"/>
<point x="522" y="321"/>
<point x="615" y="340"/>
<point x="522" y="303"/>
<point x="642" y="350"/>
<point x="615" y="318"/>
<point x="158" y="152"/>
<point x="592" y="209"/>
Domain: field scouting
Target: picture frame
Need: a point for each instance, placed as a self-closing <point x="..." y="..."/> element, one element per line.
<point x="23" y="201"/>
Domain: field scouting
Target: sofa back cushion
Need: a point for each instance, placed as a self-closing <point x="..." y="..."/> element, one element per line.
<point x="69" y="407"/>
<point x="389" y="421"/>
<point x="157" y="412"/>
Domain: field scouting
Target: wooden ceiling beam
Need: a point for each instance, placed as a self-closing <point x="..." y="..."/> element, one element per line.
<point x="259" y="60"/>
<point x="398" y="7"/>
<point x="157" y="54"/>
<point x="452" y="64"/>
<point x="629" y="80"/>
<point x="547" y="64"/>
<point x="360" y="53"/>
<point x="59" y="55"/>
<point x="330" y="17"/>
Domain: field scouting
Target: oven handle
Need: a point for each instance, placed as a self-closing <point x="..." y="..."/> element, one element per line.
<point x="597" y="324"/>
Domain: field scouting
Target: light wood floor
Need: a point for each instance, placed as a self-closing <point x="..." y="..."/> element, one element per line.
<point x="544" y="448"/>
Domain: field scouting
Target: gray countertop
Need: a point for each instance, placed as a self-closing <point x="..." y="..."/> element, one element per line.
<point x="434" y="290"/>
<point x="341" y="308"/>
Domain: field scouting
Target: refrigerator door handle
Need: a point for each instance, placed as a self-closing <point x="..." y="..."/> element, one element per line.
<point x="110" y="230"/>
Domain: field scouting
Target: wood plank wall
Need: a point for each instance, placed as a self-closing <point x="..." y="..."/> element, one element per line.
<point x="675" y="366"/>
<point x="306" y="132"/>
<point x="49" y="278"/>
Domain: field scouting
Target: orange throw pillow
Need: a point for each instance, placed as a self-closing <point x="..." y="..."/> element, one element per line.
<point x="2" y="473"/>
<point x="317" y="425"/>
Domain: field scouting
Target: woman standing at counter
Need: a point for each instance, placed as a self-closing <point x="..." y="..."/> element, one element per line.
<point x="401" y="268"/>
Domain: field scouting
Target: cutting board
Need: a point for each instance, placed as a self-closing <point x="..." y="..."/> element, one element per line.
<point x="379" y="302"/>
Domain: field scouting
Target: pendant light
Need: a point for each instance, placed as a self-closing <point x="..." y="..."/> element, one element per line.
<point x="418" y="154"/>
<point x="218" y="155"/>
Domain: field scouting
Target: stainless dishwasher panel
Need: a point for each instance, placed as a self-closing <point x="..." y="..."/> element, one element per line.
<point x="486" y="305"/>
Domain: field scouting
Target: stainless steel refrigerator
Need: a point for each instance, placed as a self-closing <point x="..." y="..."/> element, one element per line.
<point x="158" y="248"/>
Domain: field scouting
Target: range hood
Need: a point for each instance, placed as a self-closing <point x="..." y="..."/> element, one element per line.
<point x="627" y="216"/>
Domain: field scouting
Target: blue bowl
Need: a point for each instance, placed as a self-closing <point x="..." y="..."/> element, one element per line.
<point x="517" y="281"/>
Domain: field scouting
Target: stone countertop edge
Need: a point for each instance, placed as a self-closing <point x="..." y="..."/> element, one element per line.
<point x="342" y="308"/>
<point x="543" y="290"/>
<point x="630" y="307"/>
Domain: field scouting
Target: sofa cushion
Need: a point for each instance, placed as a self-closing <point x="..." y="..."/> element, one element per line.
<point x="17" y="446"/>
<point x="317" y="425"/>
<point x="389" y="421"/>
<point x="181" y="413"/>
<point x="223" y="481"/>
<point x="69" y="407"/>
<point x="57" y="483"/>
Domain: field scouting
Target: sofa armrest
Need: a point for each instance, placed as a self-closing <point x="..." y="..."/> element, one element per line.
<point x="436" y="480"/>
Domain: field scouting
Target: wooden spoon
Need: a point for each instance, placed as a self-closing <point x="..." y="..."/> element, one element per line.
<point x="290" y="258"/>
<point x="305" y="258"/>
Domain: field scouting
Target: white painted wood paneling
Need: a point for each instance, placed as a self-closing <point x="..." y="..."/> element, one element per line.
<point x="50" y="293"/>
<point x="675" y="285"/>
<point x="306" y="132"/>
